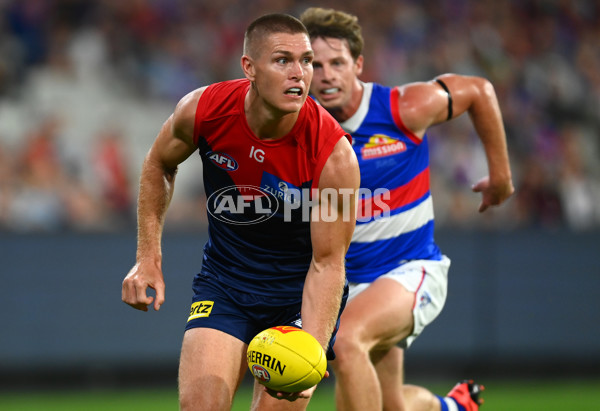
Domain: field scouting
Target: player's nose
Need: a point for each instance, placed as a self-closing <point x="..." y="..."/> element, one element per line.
<point x="296" y="71"/>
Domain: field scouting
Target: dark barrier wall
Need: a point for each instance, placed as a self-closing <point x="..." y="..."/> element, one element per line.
<point x="520" y="297"/>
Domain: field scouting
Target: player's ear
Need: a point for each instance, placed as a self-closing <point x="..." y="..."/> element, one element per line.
<point x="358" y="65"/>
<point x="248" y="67"/>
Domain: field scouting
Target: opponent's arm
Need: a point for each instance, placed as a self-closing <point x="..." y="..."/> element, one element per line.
<point x="338" y="184"/>
<point x="425" y="104"/>
<point x="172" y="146"/>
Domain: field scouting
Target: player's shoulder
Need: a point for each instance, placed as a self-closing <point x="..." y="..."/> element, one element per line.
<point x="414" y="89"/>
<point x="417" y="100"/>
<point x="185" y="110"/>
<point x="191" y="98"/>
<point x="439" y="84"/>
<point x="210" y="99"/>
<point x="223" y="90"/>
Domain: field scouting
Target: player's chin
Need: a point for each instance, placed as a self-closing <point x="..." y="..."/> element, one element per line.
<point x="329" y="101"/>
<point x="292" y="104"/>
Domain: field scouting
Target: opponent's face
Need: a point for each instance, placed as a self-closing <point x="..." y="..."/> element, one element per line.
<point x="336" y="73"/>
<point x="282" y="70"/>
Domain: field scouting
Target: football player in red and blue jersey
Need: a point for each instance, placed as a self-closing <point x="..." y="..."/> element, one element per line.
<point x="277" y="243"/>
<point x="397" y="273"/>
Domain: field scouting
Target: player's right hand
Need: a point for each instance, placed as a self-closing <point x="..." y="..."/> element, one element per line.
<point x="136" y="283"/>
<point x="293" y="396"/>
<point x="492" y="194"/>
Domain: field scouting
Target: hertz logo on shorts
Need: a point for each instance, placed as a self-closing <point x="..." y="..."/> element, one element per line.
<point x="200" y="309"/>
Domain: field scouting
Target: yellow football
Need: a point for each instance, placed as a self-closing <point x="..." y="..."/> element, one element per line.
<point x="286" y="359"/>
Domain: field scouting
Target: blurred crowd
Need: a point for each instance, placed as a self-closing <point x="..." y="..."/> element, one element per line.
<point x="86" y="84"/>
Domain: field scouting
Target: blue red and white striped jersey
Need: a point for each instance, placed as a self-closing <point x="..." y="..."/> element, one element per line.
<point x="253" y="246"/>
<point x="395" y="216"/>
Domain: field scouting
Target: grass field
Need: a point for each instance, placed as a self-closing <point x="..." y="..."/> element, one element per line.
<point x="511" y="395"/>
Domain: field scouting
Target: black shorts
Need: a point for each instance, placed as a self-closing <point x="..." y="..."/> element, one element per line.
<point x="244" y="315"/>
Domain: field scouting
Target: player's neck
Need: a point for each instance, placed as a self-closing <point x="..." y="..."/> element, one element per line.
<point x="268" y="123"/>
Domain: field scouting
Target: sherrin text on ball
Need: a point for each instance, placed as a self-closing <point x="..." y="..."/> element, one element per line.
<point x="286" y="358"/>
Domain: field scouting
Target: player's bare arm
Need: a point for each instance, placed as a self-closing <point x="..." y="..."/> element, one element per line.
<point x="427" y="103"/>
<point x="325" y="280"/>
<point x="330" y="239"/>
<point x="172" y="146"/>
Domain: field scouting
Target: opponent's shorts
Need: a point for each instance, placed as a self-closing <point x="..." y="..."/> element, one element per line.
<point x="428" y="279"/>
<point x="243" y="315"/>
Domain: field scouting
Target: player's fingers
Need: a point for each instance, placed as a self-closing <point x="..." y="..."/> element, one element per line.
<point x="270" y="392"/>
<point x="128" y="295"/>
<point x="481" y="185"/>
<point x="280" y="395"/>
<point x="124" y="292"/>
<point x="138" y="298"/>
<point x="160" y="296"/>
<point x="128" y="292"/>
<point x="290" y="396"/>
<point x="141" y="296"/>
<point x="139" y="306"/>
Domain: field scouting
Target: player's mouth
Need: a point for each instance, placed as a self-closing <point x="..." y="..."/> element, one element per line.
<point x="331" y="90"/>
<point x="294" y="91"/>
<point x="330" y="93"/>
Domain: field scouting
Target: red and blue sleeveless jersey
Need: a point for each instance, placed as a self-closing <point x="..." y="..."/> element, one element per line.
<point x="395" y="220"/>
<point x="259" y="237"/>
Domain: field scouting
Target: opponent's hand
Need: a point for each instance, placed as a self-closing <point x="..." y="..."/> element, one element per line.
<point x="492" y="194"/>
<point x="136" y="283"/>
<point x="293" y="396"/>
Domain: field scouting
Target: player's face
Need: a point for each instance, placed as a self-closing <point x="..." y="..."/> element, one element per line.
<point x="336" y="73"/>
<point x="283" y="71"/>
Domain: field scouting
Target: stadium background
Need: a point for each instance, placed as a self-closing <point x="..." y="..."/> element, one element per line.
<point x="85" y="86"/>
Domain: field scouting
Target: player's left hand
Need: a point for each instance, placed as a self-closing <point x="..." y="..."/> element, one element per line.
<point x="293" y="396"/>
<point x="492" y="193"/>
<point x="134" y="289"/>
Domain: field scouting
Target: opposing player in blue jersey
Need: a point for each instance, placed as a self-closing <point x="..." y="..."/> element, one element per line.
<point x="267" y="152"/>
<point x="397" y="273"/>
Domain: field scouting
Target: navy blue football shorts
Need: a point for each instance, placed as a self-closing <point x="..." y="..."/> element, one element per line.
<point x="243" y="315"/>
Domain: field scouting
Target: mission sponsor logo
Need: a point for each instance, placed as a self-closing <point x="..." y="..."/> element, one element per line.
<point x="222" y="160"/>
<point x="381" y="145"/>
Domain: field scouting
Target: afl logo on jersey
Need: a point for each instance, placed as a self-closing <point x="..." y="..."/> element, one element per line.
<point x="222" y="160"/>
<point x="242" y="205"/>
